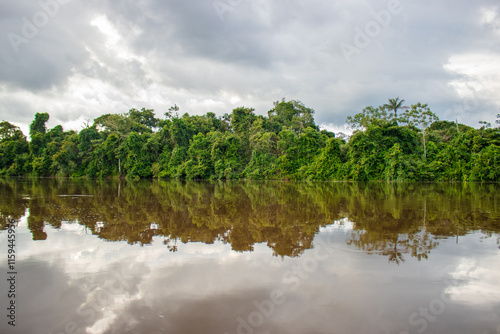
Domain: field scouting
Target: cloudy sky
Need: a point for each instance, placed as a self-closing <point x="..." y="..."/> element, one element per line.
<point x="79" y="59"/>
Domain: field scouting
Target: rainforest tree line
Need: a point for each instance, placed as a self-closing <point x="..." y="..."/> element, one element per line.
<point x="391" y="142"/>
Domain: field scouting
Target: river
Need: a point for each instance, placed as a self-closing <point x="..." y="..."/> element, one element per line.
<point x="102" y="256"/>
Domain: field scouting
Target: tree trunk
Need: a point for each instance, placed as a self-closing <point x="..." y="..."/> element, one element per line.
<point x="425" y="150"/>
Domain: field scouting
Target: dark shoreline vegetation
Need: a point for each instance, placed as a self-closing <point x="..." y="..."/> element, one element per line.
<point x="391" y="143"/>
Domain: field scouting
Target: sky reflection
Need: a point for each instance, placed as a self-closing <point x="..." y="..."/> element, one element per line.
<point x="76" y="281"/>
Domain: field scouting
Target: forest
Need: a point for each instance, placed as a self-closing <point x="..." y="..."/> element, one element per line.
<point x="390" y="143"/>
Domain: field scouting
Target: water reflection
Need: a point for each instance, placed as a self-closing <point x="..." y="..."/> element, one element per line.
<point x="196" y="257"/>
<point x="393" y="220"/>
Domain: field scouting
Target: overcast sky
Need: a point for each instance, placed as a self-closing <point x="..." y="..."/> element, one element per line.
<point x="79" y="59"/>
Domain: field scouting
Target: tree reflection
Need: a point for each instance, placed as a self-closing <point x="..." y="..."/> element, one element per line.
<point x="393" y="220"/>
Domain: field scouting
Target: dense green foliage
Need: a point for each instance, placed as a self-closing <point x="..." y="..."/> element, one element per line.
<point x="286" y="144"/>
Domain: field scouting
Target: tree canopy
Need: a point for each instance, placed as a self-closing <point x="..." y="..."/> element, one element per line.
<point x="413" y="145"/>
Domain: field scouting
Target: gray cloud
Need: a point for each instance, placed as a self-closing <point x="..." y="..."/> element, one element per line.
<point x="156" y="53"/>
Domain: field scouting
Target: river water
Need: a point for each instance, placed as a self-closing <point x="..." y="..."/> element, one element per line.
<point x="249" y="257"/>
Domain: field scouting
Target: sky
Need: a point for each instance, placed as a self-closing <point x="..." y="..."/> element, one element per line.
<point x="77" y="60"/>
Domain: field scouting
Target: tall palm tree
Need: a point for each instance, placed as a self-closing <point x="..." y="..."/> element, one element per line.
<point x="394" y="104"/>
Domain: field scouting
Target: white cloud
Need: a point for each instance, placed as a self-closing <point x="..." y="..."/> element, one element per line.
<point x="345" y="129"/>
<point x="480" y="279"/>
<point x="490" y="18"/>
<point x="477" y="84"/>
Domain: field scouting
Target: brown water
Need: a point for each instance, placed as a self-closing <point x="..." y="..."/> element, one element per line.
<point x="250" y="257"/>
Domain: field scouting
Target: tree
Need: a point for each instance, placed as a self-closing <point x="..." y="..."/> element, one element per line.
<point x="123" y="124"/>
<point x="420" y="116"/>
<point x="145" y="117"/>
<point x="87" y="139"/>
<point x="394" y="169"/>
<point x="298" y="151"/>
<point x="199" y="164"/>
<point x="242" y="119"/>
<point x="14" y="149"/>
<point x="284" y="144"/>
<point x="292" y="114"/>
<point x="7" y="130"/>
<point x="226" y="155"/>
<point x="140" y="122"/>
<point x="173" y="112"/>
<point x="327" y="165"/>
<point x="38" y="124"/>
<point x="368" y="117"/>
<point x="485" y="125"/>
<point x="485" y="165"/>
<point x="136" y="154"/>
<point x="263" y="156"/>
<point x="498" y="119"/>
<point x="65" y="160"/>
<point x="394" y="105"/>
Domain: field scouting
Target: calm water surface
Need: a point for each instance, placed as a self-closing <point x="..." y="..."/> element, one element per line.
<point x="251" y="257"/>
